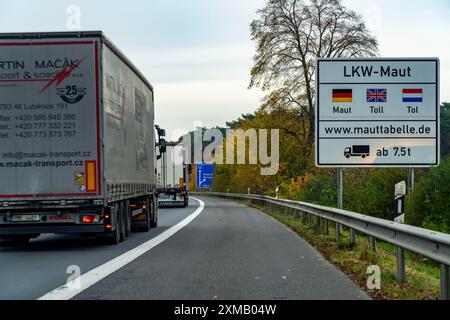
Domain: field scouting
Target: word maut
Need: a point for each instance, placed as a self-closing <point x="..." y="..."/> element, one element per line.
<point x="235" y="147"/>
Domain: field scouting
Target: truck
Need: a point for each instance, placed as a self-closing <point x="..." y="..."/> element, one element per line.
<point x="362" y="151"/>
<point x="172" y="177"/>
<point x="77" y="139"/>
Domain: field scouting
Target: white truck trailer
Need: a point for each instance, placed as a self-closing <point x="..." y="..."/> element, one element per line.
<point x="77" y="140"/>
<point x="173" y="177"/>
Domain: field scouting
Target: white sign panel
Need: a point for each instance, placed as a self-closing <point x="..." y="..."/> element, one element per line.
<point x="377" y="112"/>
<point x="400" y="189"/>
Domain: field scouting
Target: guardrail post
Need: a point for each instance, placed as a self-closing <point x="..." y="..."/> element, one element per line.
<point x="317" y="225"/>
<point x="372" y="244"/>
<point x="445" y="282"/>
<point x="401" y="275"/>
<point x="338" y="232"/>
<point x="352" y="233"/>
<point x="340" y="190"/>
<point x="325" y="227"/>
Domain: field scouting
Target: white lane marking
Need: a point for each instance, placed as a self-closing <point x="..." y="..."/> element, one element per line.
<point x="92" y="277"/>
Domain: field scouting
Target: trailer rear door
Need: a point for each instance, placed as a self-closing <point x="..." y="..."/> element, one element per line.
<point x="49" y="119"/>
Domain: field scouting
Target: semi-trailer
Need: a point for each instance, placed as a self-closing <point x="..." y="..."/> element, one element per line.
<point x="173" y="177"/>
<point x="77" y="140"/>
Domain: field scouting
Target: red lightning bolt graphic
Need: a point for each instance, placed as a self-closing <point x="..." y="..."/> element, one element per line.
<point x="63" y="74"/>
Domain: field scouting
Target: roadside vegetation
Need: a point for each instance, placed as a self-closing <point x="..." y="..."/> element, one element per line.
<point x="422" y="276"/>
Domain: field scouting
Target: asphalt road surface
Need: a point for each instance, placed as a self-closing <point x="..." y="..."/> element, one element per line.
<point x="28" y="272"/>
<point x="229" y="251"/>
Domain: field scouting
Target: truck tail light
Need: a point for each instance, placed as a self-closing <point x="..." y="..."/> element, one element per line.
<point x="88" y="219"/>
<point x="107" y="221"/>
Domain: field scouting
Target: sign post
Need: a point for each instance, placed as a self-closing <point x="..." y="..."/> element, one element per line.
<point x="410" y="180"/>
<point x="340" y="189"/>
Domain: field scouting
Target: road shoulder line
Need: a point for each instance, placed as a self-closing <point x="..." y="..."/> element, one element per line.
<point x="68" y="290"/>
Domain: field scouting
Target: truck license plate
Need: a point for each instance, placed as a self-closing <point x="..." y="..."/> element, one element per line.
<point x="26" y="218"/>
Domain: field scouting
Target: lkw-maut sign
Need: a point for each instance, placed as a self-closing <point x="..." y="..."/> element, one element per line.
<point x="377" y="113"/>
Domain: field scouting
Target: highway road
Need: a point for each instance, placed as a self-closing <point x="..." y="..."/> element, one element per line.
<point x="228" y="251"/>
<point x="28" y="272"/>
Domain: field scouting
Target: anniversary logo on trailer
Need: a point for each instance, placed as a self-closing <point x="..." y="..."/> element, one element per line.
<point x="70" y="93"/>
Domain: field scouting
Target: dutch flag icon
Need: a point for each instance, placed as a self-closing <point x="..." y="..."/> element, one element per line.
<point x="412" y="95"/>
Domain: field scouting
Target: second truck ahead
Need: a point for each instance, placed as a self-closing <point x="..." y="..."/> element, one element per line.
<point x="173" y="178"/>
<point x="77" y="138"/>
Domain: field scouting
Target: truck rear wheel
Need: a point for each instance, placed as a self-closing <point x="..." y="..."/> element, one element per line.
<point x="121" y="220"/>
<point x="127" y="219"/>
<point x="113" y="238"/>
<point x="148" y="216"/>
<point x="154" y="206"/>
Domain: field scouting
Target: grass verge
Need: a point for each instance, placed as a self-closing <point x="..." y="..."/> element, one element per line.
<point x="422" y="276"/>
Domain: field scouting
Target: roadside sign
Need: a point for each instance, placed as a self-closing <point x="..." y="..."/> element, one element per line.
<point x="205" y="175"/>
<point x="400" y="189"/>
<point x="377" y="112"/>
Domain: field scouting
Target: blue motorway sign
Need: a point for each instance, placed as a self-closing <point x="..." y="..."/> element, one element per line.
<point x="205" y="175"/>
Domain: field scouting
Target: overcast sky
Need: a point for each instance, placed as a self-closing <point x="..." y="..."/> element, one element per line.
<point x="198" y="53"/>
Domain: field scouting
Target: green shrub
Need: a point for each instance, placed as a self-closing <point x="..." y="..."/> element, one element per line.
<point x="320" y="190"/>
<point x="366" y="191"/>
<point x="371" y="192"/>
<point x="428" y="205"/>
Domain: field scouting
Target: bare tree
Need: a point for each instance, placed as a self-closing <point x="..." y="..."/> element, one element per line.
<point x="289" y="36"/>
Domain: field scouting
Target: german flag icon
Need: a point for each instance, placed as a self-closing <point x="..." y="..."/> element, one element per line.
<point x="342" y="95"/>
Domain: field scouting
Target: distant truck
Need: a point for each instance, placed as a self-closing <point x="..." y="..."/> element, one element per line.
<point x="77" y="138"/>
<point x="357" y="151"/>
<point x="173" y="178"/>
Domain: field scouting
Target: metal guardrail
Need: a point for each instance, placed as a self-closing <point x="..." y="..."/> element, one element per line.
<point x="424" y="242"/>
